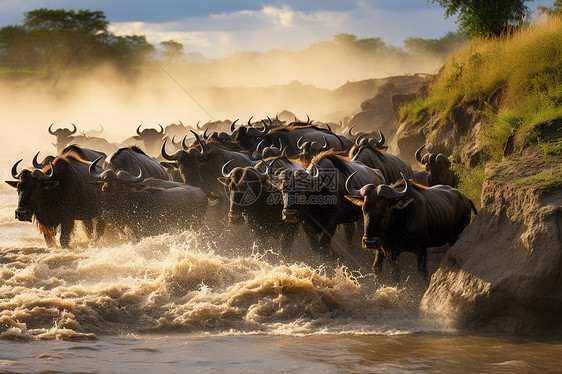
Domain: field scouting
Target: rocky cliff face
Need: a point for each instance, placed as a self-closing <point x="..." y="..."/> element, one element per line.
<point x="505" y="271"/>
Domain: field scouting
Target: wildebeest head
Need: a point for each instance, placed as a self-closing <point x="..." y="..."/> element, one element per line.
<point x="295" y="185"/>
<point x="377" y="203"/>
<point x="248" y="136"/>
<point x="366" y="140"/>
<point x="63" y="135"/>
<point x="244" y="187"/>
<point x="186" y="161"/>
<point x="438" y="168"/>
<point x="263" y="151"/>
<point x="310" y="149"/>
<point x="150" y="137"/>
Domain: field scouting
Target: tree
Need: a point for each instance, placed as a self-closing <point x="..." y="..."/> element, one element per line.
<point x="173" y="51"/>
<point x="554" y="11"/>
<point x="65" y="37"/>
<point x="485" y="18"/>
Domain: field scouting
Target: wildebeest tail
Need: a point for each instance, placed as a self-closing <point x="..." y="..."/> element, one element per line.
<point x="472" y="206"/>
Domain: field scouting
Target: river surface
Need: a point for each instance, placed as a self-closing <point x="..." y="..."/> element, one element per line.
<point x="215" y="302"/>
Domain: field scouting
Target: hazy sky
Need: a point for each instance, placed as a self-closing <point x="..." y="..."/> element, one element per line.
<point x="220" y="27"/>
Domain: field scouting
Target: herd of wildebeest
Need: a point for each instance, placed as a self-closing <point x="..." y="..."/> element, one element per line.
<point x="271" y="174"/>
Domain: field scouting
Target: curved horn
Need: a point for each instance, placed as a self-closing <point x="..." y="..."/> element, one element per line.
<point x="329" y="128"/>
<point x="92" y="168"/>
<point x="380" y="143"/>
<point x="300" y="146"/>
<point x="201" y="144"/>
<point x="281" y="145"/>
<point x="349" y="189"/>
<point x="51" y="131"/>
<point x="325" y="142"/>
<point x="163" y="152"/>
<point x="38" y="174"/>
<point x="307" y="119"/>
<point x="259" y="145"/>
<point x="75" y="129"/>
<point x="15" y="169"/>
<point x="270" y="121"/>
<point x="250" y="121"/>
<point x="418" y="154"/>
<point x="232" y="125"/>
<point x="35" y="163"/>
<point x="138" y="129"/>
<point x="205" y="136"/>
<point x="183" y="143"/>
<point x="359" y="138"/>
<point x="161" y="129"/>
<point x="174" y="143"/>
<point x="349" y="132"/>
<point x="265" y="129"/>
<point x="197" y="126"/>
<point x="341" y="143"/>
<point x="316" y="169"/>
<point x="223" y="170"/>
<point x="390" y="193"/>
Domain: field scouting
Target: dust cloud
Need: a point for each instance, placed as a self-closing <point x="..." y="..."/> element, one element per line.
<point x="239" y="86"/>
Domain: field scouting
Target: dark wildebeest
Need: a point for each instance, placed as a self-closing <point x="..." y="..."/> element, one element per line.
<point x="58" y="195"/>
<point x="149" y="206"/>
<point x="255" y="201"/>
<point x="132" y="159"/>
<point x="64" y="136"/>
<point x="438" y="168"/>
<point x="149" y="140"/>
<point x="390" y="165"/>
<point x="201" y="165"/>
<point x="317" y="197"/>
<point x="407" y="217"/>
<point x="84" y="153"/>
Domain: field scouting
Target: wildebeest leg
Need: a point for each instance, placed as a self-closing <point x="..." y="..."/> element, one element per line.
<point x="326" y="237"/>
<point x="100" y="228"/>
<point x="49" y="240"/>
<point x="311" y="234"/>
<point x="89" y="226"/>
<point x="377" y="264"/>
<point x="66" y="228"/>
<point x="422" y="261"/>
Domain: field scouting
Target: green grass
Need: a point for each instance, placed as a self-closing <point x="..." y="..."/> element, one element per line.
<point x="515" y="81"/>
<point x="543" y="179"/>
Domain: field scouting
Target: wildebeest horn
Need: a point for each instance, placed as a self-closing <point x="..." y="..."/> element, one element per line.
<point x="418" y="154"/>
<point x="163" y="151"/>
<point x="201" y="144"/>
<point x="39" y="175"/>
<point x="350" y="190"/>
<point x="380" y="143"/>
<point x="325" y="142"/>
<point x="174" y="143"/>
<point x="265" y="129"/>
<point x="281" y="145"/>
<point x="300" y="146"/>
<point x="270" y="121"/>
<point x="51" y="131"/>
<point x="183" y="143"/>
<point x="92" y="169"/>
<point x="349" y="132"/>
<point x="250" y="121"/>
<point x="161" y="129"/>
<point x="316" y="170"/>
<point x="223" y="170"/>
<point x="197" y="126"/>
<point x="359" y="138"/>
<point x="307" y="118"/>
<point x="75" y="129"/>
<point x="35" y="163"/>
<point x="205" y="136"/>
<point x="138" y="129"/>
<point x="15" y="169"/>
<point x="259" y="145"/>
<point x="232" y="125"/>
<point x="329" y="128"/>
<point x="390" y="193"/>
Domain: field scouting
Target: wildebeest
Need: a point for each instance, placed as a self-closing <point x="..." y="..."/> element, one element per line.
<point x="149" y="140"/>
<point x="133" y="159"/>
<point x="438" y="168"/>
<point x="66" y="137"/>
<point x="57" y="195"/>
<point x="150" y="206"/>
<point x="63" y="135"/>
<point x="390" y="165"/>
<point x="317" y="197"/>
<point x="407" y="217"/>
<point x="201" y="164"/>
<point x="255" y="201"/>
